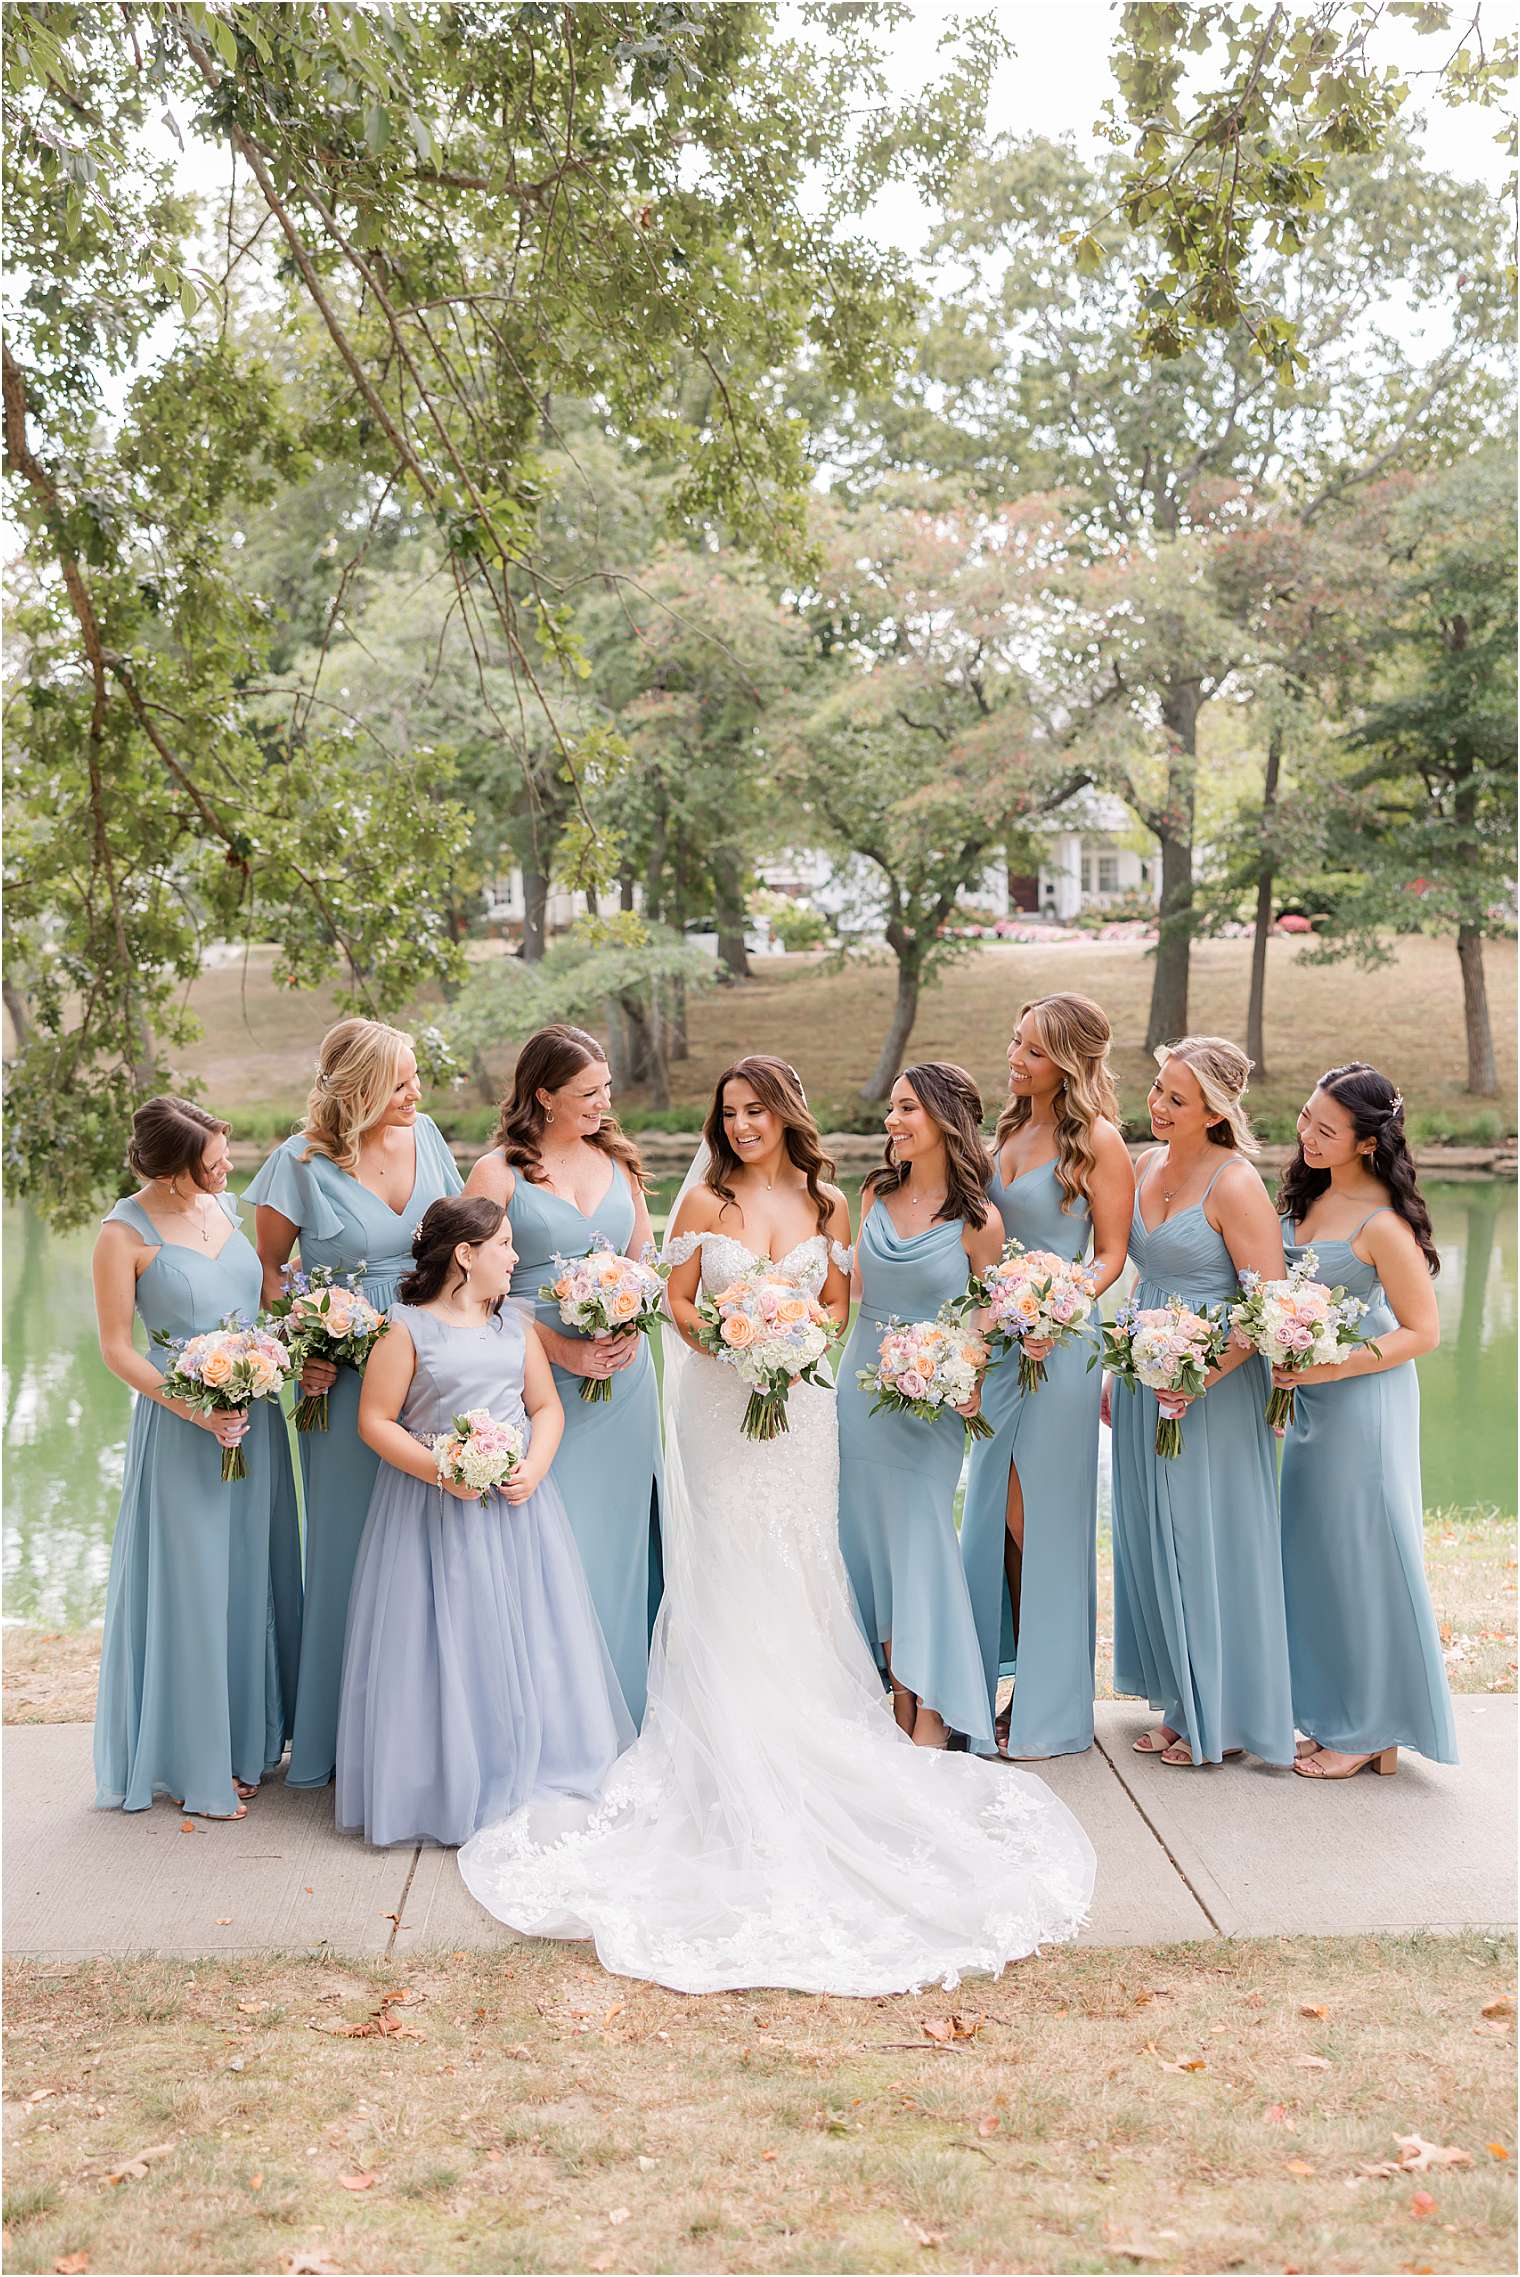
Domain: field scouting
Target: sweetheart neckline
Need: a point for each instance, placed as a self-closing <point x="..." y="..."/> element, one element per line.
<point x="764" y="1257"/>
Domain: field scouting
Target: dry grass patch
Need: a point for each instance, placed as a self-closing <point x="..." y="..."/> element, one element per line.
<point x="49" y="1675"/>
<point x="1193" y="2108"/>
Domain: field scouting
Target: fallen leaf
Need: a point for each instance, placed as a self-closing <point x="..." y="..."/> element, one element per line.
<point x="308" y="1889"/>
<point x="135" y="2167"/>
<point x="1503" y="2006"/>
<point x="1298" y="2166"/>
<point x="1307" y="2011"/>
<point x="989" y="2125"/>
<point x="1312" y="2063"/>
<point x="940" y="2033"/>
<point x="1187" y="2063"/>
<point x="255" y="2181"/>
<point x="72" y="2265"/>
<point x="41" y="2094"/>
<point x="1416" y="2156"/>
<point x="252" y="2007"/>
<point x="1276" y="2115"/>
<point x="312" y="2263"/>
<point x="1422" y="2203"/>
<point x="357" y="2181"/>
<point x="923" y="2237"/>
<point x="389" y="1999"/>
<point x="224" y="1921"/>
<point x="1496" y="2150"/>
<point x="768" y="2156"/>
<point x="618" y="2216"/>
<point x="188" y="1826"/>
<point x="616" y="2010"/>
<point x="646" y="2164"/>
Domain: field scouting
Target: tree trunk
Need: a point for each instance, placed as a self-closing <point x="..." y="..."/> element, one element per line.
<point x="728" y="888"/>
<point x="904" y="1013"/>
<point x="1169" y="985"/>
<point x="535" y="912"/>
<point x="1482" y="1074"/>
<point x="1266" y="876"/>
<point x="625" y="890"/>
<point x="15" y="1005"/>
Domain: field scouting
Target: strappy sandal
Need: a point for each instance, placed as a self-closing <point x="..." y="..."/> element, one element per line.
<point x="1304" y="1747"/>
<point x="1384" y="1760"/>
<point x="1180" y="1756"/>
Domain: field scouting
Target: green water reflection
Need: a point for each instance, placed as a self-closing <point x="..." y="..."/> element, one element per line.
<point x="66" y="1416"/>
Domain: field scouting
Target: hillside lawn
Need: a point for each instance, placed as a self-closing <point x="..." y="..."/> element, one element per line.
<point x="255" y="1059"/>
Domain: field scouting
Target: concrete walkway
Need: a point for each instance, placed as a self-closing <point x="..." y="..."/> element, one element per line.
<point x="1242" y="1851"/>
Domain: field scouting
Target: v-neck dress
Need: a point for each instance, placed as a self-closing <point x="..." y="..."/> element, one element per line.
<point x="341" y="1224"/>
<point x="190" y="1694"/>
<point x="897" y="1481"/>
<point x="476" y="1679"/>
<point x="1199" y="1626"/>
<point x="1363" y="1641"/>
<point x="608" y="1467"/>
<point x="1050" y="1435"/>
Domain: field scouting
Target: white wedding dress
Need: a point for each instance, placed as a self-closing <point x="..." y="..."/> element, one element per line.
<point x="771" y="1825"/>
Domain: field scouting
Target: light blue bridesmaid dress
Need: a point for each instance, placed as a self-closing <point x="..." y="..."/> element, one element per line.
<point x="1051" y="1435"/>
<point x="897" y="1481"/>
<point x="608" y="1468"/>
<point x="190" y="1663"/>
<point x="340" y="1223"/>
<point x="1199" y="1626"/>
<point x="475" y="1678"/>
<point x="1363" y="1643"/>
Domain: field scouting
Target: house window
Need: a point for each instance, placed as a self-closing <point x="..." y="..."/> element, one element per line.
<point x="1087" y="873"/>
<point x="1108" y="873"/>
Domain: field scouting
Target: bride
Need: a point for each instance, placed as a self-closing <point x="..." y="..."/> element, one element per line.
<point x="772" y="1825"/>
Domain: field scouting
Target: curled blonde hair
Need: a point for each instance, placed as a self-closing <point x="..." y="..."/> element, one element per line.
<point x="1076" y="1036"/>
<point x="356" y="1074"/>
<point x="1222" y="1072"/>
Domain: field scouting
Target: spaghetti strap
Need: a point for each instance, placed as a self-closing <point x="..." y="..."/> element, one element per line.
<point x="1367" y="1220"/>
<point x="1230" y="1157"/>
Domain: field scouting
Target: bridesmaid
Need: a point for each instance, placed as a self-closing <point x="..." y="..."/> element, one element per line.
<point x="475" y="1678"/>
<point x="190" y="1701"/>
<point x="1061" y="1181"/>
<point x="1368" y="1676"/>
<point x="927" y="1226"/>
<point x="350" y="1187"/>
<point x="568" y="1175"/>
<point x="1199" y="1626"/>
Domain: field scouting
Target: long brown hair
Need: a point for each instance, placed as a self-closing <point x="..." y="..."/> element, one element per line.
<point x="777" y="1085"/>
<point x="1076" y="1036"/>
<point x="1376" y="1109"/>
<point x="547" y="1062"/>
<point x="953" y="1101"/>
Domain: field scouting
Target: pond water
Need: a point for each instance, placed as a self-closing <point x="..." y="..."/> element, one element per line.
<point x="66" y="1416"/>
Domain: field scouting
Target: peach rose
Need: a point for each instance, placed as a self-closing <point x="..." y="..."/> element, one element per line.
<point x="738" y="1331"/>
<point x="625" y="1304"/>
<point x="216" y="1370"/>
<point x="791" y="1310"/>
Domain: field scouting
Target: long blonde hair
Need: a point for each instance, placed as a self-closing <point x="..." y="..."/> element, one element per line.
<point x="356" y="1074"/>
<point x="1076" y="1036"/>
<point x="1222" y="1071"/>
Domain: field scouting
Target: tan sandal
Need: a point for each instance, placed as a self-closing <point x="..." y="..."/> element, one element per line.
<point x="1384" y="1760"/>
<point x="1304" y="1747"/>
<point x="1151" y="1742"/>
<point x="1181" y="1755"/>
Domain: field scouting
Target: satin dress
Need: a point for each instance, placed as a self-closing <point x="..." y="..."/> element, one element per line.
<point x="190" y="1694"/>
<point x="608" y="1467"/>
<point x="897" y="1482"/>
<point x="1199" y="1625"/>
<point x="1363" y="1641"/>
<point x="342" y="1224"/>
<point x="1051" y="1435"/>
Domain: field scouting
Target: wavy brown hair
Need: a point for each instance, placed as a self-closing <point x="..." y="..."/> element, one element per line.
<point x="547" y="1062"/>
<point x="1376" y="1109"/>
<point x="778" y="1086"/>
<point x="1076" y="1037"/>
<point x="357" y="1067"/>
<point x="170" y="1135"/>
<point x="452" y="1221"/>
<point x="948" y="1095"/>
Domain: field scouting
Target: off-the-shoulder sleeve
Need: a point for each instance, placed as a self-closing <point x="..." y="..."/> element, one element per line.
<point x="440" y="1156"/>
<point x="842" y="1257"/>
<point x="682" y="1247"/>
<point x="293" y="1188"/>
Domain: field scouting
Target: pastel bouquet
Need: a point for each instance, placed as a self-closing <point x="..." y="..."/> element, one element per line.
<point x="222" y="1369"/>
<point x="1169" y="1349"/>
<point x="605" y="1294"/>
<point x="1296" y="1323"/>
<point x="1033" y="1295"/>
<point x="324" y="1315"/>
<point x="926" y="1366"/>
<point x="479" y="1452"/>
<point x="769" y="1331"/>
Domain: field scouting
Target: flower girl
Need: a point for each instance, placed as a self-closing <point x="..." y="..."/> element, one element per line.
<point x="475" y="1678"/>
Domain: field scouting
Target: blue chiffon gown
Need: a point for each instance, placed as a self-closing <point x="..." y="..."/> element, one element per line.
<point x="475" y="1678"/>
<point x="1363" y="1642"/>
<point x="190" y="1695"/>
<point x="340" y="1223"/>
<point x="1051" y="1435"/>
<point x="897" y="1481"/>
<point x="1199" y="1625"/>
<point x="608" y="1468"/>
